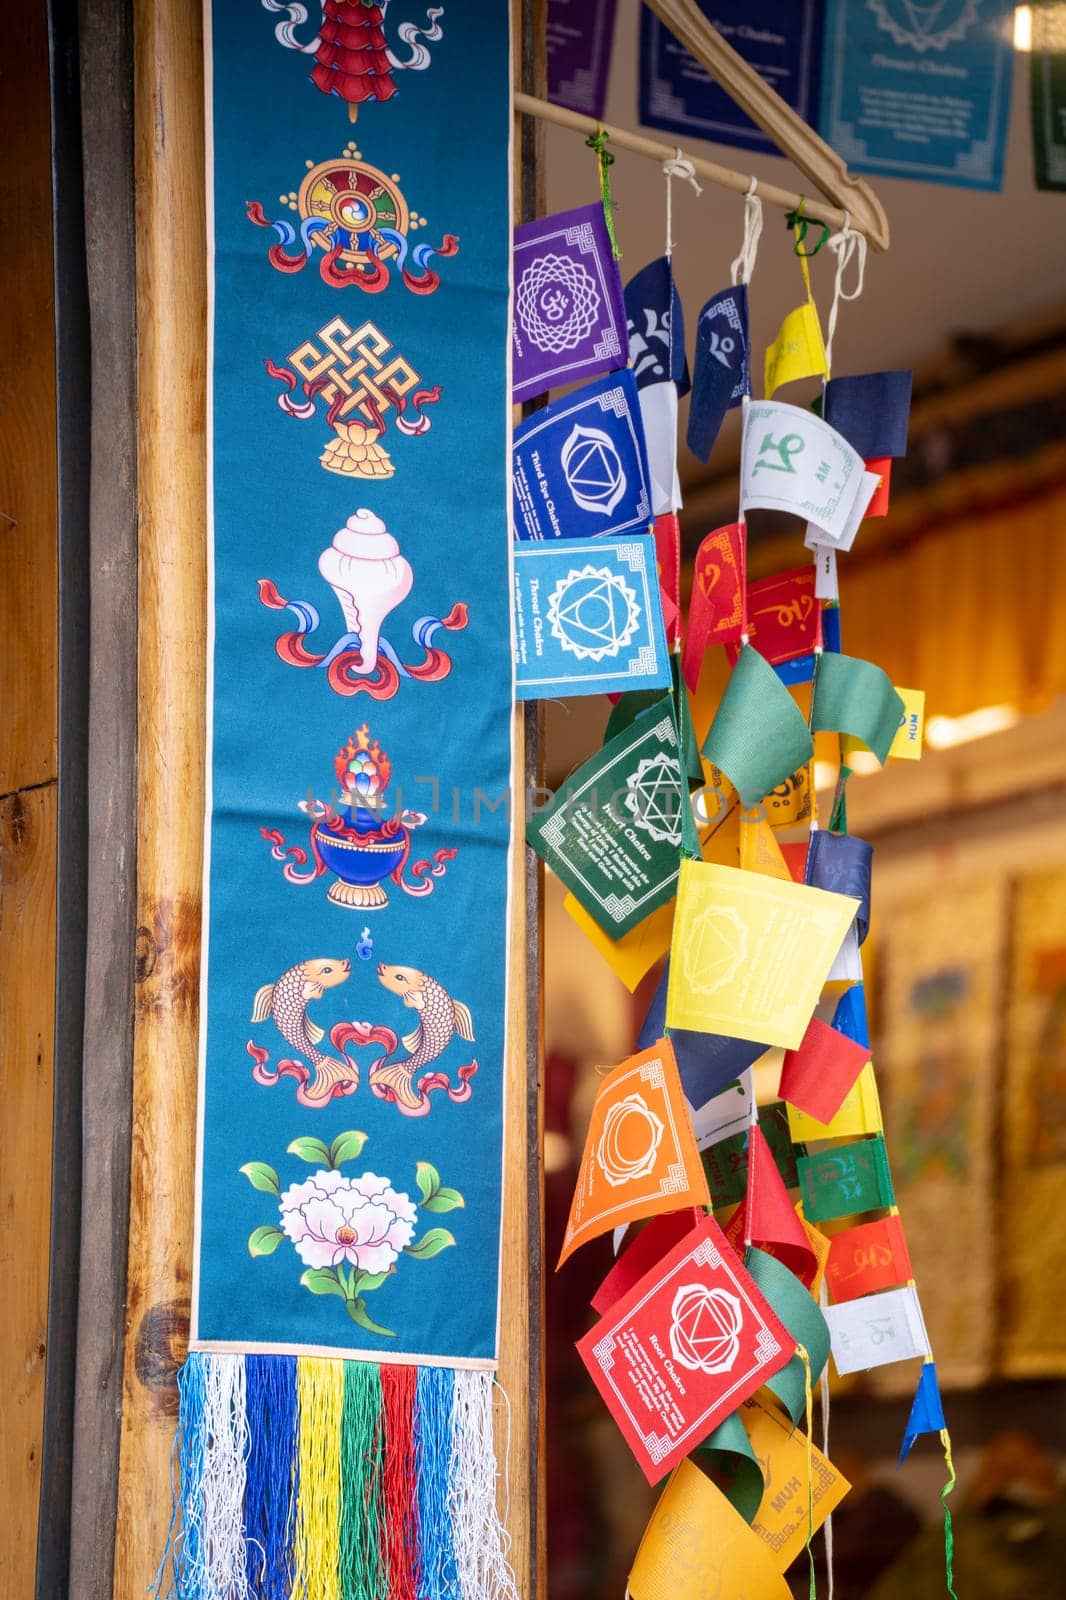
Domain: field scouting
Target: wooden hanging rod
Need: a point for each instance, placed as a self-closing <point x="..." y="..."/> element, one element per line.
<point x="725" y="177"/>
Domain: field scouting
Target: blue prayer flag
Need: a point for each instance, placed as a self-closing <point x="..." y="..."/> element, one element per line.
<point x="722" y="376"/>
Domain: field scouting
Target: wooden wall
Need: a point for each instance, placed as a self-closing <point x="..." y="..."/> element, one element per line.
<point x="28" y="774"/>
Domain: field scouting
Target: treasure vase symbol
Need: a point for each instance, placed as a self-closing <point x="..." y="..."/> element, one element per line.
<point x="705" y="1328"/>
<point x="370" y="577"/>
<point x="355" y="840"/>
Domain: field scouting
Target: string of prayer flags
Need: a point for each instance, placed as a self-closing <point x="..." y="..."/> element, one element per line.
<point x="767" y="1217"/>
<point x="750" y="954"/>
<point x="797" y="352"/>
<point x="871" y="410"/>
<point x="640" y="1154"/>
<point x="784" y="617"/>
<point x="857" y="698"/>
<point x="687" y="1344"/>
<point x="612" y="833"/>
<point x="927" y="1410"/>
<point x="786" y="1519"/>
<point x="859" y="1114"/>
<point x="655" y="1240"/>
<point x="877" y="1330"/>
<point x="579" y="466"/>
<point x="867" y="1258"/>
<point x="793" y="461"/>
<point x="716" y="609"/>
<point x="758" y="737"/>
<point x="632" y="956"/>
<point x="843" y="863"/>
<point x="722" y="373"/>
<point x="696" y="1545"/>
<point x="569" y="314"/>
<point x="726" y="1161"/>
<point x="818" y="1076"/>
<point x="846" y="1180"/>
<point x="588" y="619"/>
<point x="657" y="356"/>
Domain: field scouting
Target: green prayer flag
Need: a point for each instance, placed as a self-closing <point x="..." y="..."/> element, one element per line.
<point x="853" y="696"/>
<point x="1047" y="69"/>
<point x="728" y="1457"/>
<point x="758" y="737"/>
<point x="846" y="1179"/>
<point x="797" y="1310"/>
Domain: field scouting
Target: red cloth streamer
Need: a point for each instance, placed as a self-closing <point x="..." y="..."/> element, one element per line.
<point x="668" y="556"/>
<point x="767" y="1217"/>
<point x="716" y="610"/>
<point x="650" y="1245"/>
<point x="817" y="1077"/>
<point x="399" y="1507"/>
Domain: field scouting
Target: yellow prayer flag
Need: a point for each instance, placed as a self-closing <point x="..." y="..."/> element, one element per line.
<point x="907" y="745"/>
<point x="821" y="1247"/>
<point x="637" y="951"/>
<point x="750" y="954"/>
<point x="786" y="1458"/>
<point x="798" y="350"/>
<point x="697" y="1545"/>
<point x="792" y="801"/>
<point x="859" y="1114"/>
<point x="759" y="850"/>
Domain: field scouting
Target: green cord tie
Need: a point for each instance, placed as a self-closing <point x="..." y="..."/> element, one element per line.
<point x="598" y="141"/>
<point x="798" y="224"/>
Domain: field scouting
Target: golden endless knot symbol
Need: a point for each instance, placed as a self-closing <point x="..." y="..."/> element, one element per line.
<point x="356" y="362"/>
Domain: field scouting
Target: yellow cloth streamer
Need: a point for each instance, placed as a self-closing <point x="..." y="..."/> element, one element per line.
<point x="320" y="1396"/>
<point x="798" y="351"/>
<point x="637" y="951"/>
<point x="696" y="1545"/>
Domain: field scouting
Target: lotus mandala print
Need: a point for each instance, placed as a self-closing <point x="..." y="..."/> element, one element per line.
<point x="593" y="613"/>
<point x="629" y="1144"/>
<point x="556" y="303"/>
<point x="705" y="1328"/>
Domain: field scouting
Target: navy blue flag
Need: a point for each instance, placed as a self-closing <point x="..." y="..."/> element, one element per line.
<point x="579" y="467"/>
<point x="842" y="864"/>
<point x="722" y="376"/>
<point x="656" y="327"/>
<point x="871" y="411"/>
<point x="706" y="1062"/>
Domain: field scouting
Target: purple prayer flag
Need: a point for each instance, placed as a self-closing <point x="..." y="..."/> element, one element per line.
<point x="569" y="314"/>
<point x="579" y="37"/>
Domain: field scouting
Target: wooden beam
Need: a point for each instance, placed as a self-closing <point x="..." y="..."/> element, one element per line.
<point x="171" y="403"/>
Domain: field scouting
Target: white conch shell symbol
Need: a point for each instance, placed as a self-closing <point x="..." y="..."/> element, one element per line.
<point x="364" y="568"/>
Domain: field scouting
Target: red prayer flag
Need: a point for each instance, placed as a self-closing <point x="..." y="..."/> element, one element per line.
<point x="818" y="1076"/>
<point x="868" y="1258"/>
<point x="784" y="618"/>
<point x="796" y="860"/>
<point x="650" y="1245"/>
<point x="882" y="465"/>
<point x="767" y="1218"/>
<point x="668" y="557"/>
<point x="716" y="610"/>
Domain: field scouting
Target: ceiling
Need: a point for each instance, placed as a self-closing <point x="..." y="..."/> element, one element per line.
<point x="961" y="261"/>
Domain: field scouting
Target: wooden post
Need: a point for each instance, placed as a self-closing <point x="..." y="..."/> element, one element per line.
<point x="171" y="297"/>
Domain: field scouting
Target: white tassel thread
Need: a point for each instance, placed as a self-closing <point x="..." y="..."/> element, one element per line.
<point x="479" y="1538"/>
<point x="225" y="1573"/>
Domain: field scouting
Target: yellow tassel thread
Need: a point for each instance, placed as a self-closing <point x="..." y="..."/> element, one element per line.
<point x="808" y="1395"/>
<point x="320" y="1396"/>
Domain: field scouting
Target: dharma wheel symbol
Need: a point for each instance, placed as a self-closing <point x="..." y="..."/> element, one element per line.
<point x="705" y="1328"/>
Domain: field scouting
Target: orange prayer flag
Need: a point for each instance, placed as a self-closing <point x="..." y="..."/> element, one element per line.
<point x="640" y="1156"/>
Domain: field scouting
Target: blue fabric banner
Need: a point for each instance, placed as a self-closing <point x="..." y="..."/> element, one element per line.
<point x="919" y="91"/>
<point x="361" y="684"/>
<point x="782" y="40"/>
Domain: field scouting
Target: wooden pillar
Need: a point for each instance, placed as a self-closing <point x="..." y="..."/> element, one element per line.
<point x="171" y="316"/>
<point x="28" y="812"/>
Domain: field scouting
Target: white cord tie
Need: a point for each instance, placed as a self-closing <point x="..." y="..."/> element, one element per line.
<point x="845" y="245"/>
<point x="744" y="265"/>
<point x="676" y="166"/>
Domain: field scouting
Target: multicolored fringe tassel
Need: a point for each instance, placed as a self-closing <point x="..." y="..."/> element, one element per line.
<point x="308" y="1478"/>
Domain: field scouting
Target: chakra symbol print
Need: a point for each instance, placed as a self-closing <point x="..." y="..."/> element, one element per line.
<point x="653" y="797"/>
<point x="705" y="1328"/>
<point x="593" y="613"/>
<point x="556" y="303"/>
<point x="593" y="468"/>
<point x="629" y="1143"/>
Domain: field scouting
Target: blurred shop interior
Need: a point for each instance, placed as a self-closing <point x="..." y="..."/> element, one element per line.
<point x="960" y="590"/>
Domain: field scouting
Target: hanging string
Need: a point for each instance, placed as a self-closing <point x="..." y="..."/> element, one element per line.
<point x="823" y="1301"/>
<point x="677" y="166"/>
<point x="808" y="1395"/>
<point x="949" y="1536"/>
<point x="598" y="141"/>
<point x="845" y="245"/>
<point x="744" y="265"/>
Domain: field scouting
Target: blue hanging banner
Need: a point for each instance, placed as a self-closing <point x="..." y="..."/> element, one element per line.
<point x="781" y="39"/>
<point x="919" y="91"/>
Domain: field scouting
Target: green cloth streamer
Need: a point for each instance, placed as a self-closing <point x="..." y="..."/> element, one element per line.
<point x="853" y="696"/>
<point x="797" y="1310"/>
<point x="628" y="707"/>
<point x="598" y="141"/>
<point x="758" y="737"/>
<point x="361" y="1553"/>
<point x="732" y="1463"/>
